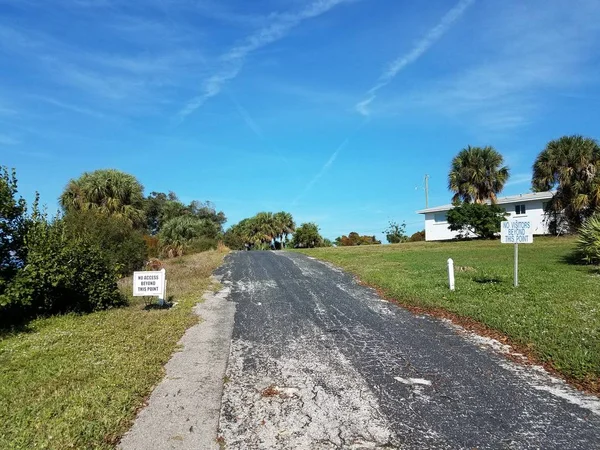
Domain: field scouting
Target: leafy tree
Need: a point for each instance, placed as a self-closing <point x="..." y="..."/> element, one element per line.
<point x="12" y="226"/>
<point x="477" y="174"/>
<point x="571" y="165"/>
<point x="476" y="219"/>
<point x="356" y="239"/>
<point x="396" y="233"/>
<point x="307" y="236"/>
<point x="206" y="211"/>
<point x="123" y="246"/>
<point x="109" y="192"/>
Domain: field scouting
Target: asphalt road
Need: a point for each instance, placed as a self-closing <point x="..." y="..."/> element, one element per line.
<point x="318" y="361"/>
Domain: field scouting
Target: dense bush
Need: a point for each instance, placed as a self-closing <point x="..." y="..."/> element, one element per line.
<point x="418" y="236"/>
<point x="12" y="227"/>
<point x="356" y="239"/>
<point x="476" y="219"/>
<point x="588" y="243"/>
<point x="122" y="246"/>
<point x="186" y="233"/>
<point x="61" y="274"/>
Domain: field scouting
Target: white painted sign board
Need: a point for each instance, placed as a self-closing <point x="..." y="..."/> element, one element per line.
<point x="516" y="232"/>
<point x="149" y="284"/>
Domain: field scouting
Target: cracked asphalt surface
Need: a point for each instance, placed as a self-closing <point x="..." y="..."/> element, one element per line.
<point x="319" y="362"/>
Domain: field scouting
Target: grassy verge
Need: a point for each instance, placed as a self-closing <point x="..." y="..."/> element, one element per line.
<point x="77" y="381"/>
<point x="554" y="314"/>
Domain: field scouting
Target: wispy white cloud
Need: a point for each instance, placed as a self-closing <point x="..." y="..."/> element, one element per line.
<point x="526" y="63"/>
<point x="415" y="53"/>
<point x="232" y="62"/>
<point x="518" y="179"/>
<point x="329" y="163"/>
<point x="69" y="107"/>
<point x="8" y="140"/>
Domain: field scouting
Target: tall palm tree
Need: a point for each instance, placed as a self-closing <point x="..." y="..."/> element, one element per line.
<point x="284" y="223"/>
<point x="477" y="174"/>
<point x="108" y="192"/>
<point x="571" y="165"/>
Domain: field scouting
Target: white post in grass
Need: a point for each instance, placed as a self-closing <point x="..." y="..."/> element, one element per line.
<point x="163" y="295"/>
<point x="451" y="273"/>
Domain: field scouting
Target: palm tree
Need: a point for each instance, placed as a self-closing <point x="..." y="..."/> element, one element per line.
<point x="108" y="192"/>
<point x="284" y="223"/>
<point x="571" y="165"/>
<point x="477" y="174"/>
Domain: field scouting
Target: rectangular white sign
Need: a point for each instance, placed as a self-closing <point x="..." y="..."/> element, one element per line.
<point x="516" y="232"/>
<point x="149" y="284"/>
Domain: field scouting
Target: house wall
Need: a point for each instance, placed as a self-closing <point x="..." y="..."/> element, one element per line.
<point x="534" y="211"/>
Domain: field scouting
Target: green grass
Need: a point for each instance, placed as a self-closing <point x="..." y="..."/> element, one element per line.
<point x="555" y="311"/>
<point x="77" y="381"/>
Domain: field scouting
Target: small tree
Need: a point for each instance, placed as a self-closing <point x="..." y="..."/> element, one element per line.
<point x="307" y="236"/>
<point x="12" y="226"/>
<point x="396" y="233"/>
<point x="476" y="219"/>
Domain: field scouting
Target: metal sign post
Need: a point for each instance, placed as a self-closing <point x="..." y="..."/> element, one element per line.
<point x="516" y="231"/>
<point x="516" y="265"/>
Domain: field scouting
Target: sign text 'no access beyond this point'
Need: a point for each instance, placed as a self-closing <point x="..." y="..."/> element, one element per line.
<point x="516" y="232"/>
<point x="149" y="284"/>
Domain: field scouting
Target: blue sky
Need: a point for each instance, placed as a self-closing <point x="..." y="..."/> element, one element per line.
<point x="333" y="110"/>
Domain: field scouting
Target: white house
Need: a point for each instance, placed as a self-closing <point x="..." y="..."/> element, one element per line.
<point x="530" y="206"/>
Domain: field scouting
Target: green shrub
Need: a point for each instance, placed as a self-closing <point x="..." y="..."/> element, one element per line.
<point x="12" y="227"/>
<point x="202" y="244"/>
<point x="588" y="242"/>
<point x="61" y="274"/>
<point x="123" y="247"/>
<point x="179" y="234"/>
<point x="418" y="236"/>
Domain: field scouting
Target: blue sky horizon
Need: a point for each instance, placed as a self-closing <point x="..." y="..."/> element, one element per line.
<point x="333" y="110"/>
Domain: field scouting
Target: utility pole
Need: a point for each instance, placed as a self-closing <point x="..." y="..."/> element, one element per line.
<point x="426" y="191"/>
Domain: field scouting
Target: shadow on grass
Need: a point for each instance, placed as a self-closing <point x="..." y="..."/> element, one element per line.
<point x="154" y="304"/>
<point x="574" y="258"/>
<point x="487" y="280"/>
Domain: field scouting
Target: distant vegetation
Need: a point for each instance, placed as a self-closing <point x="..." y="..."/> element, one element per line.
<point x="355" y="239"/>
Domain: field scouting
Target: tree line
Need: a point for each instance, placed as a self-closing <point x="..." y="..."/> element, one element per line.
<point x="106" y="229"/>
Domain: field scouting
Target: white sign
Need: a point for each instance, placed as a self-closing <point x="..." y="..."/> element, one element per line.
<point x="516" y="232"/>
<point x="149" y="284"/>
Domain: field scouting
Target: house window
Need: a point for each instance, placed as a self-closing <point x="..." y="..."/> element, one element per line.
<point x="519" y="209"/>
<point x="440" y="217"/>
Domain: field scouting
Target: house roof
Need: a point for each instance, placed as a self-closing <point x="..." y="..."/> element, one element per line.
<point x="501" y="201"/>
